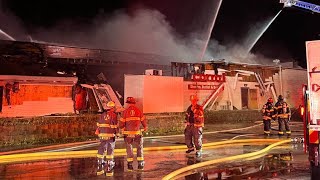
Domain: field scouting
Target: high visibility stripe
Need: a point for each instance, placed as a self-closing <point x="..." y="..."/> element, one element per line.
<point x="140" y="159"/>
<point x="130" y="119"/>
<point x="103" y="125"/>
<point x="109" y="156"/>
<point x="129" y="159"/>
<point x="100" y="156"/>
<point x="105" y="135"/>
<point x="283" y="115"/>
<point x="267" y="132"/>
<point x="280" y="132"/>
<point x="100" y="172"/>
<point x="313" y="137"/>
<point x="107" y="125"/>
<point x="114" y="126"/>
<point x="199" y="125"/>
<point x="133" y="119"/>
<point x="109" y="174"/>
<point x="288" y="132"/>
<point x="286" y="158"/>
<point x="131" y="132"/>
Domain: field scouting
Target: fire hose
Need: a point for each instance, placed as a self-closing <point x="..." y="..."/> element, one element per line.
<point x="118" y="152"/>
<point x="175" y="174"/>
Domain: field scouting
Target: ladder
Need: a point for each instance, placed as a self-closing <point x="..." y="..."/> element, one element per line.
<point x="213" y="95"/>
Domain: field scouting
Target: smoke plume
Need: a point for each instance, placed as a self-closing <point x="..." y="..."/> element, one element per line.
<point x="144" y="31"/>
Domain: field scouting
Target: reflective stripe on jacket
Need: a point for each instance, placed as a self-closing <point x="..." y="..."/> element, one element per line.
<point x="131" y="120"/>
<point x="108" y="124"/>
<point x="268" y="111"/>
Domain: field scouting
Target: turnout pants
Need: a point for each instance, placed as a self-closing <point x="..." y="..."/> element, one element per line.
<point x="138" y="141"/>
<point x="266" y="126"/>
<point x="106" y="148"/>
<point x="284" y="125"/>
<point x="193" y="137"/>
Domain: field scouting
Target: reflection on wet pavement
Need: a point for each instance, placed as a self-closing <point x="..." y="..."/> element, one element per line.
<point x="270" y="166"/>
<point x="277" y="164"/>
<point x="285" y="162"/>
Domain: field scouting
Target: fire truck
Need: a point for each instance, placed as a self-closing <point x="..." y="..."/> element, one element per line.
<point x="310" y="110"/>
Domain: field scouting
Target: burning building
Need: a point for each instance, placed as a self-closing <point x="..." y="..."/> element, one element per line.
<point x="159" y="83"/>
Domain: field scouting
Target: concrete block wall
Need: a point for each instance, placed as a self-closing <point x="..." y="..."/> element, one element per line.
<point x="54" y="105"/>
<point x="292" y="81"/>
<point x="202" y="94"/>
<point x="235" y="94"/>
<point x="45" y="129"/>
<point x="155" y="94"/>
<point x="292" y="86"/>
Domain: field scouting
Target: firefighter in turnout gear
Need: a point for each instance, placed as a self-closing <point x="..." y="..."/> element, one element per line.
<point x="132" y="119"/>
<point x="268" y="114"/>
<point x="107" y="131"/>
<point x="283" y="114"/>
<point x="194" y="124"/>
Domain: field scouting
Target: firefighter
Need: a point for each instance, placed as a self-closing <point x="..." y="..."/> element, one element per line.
<point x="130" y="123"/>
<point x="268" y="114"/>
<point x="283" y="114"/>
<point x="107" y="131"/>
<point x="194" y="124"/>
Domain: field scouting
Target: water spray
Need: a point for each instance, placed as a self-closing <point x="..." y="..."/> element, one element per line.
<point x="262" y="32"/>
<point x="7" y="35"/>
<point x="210" y="31"/>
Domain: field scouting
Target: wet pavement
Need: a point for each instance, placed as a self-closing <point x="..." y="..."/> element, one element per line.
<point x="284" y="162"/>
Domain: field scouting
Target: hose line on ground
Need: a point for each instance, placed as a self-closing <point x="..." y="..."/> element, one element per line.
<point x="92" y="153"/>
<point x="96" y="142"/>
<point x="226" y="159"/>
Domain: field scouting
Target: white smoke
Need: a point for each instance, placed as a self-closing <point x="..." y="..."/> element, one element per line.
<point x="146" y="31"/>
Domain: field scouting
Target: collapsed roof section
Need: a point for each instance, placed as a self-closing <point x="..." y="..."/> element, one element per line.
<point x="38" y="52"/>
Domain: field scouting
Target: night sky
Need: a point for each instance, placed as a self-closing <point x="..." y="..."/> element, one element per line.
<point x="284" y="39"/>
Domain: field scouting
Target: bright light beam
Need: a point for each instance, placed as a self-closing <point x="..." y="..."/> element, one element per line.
<point x="262" y="32"/>
<point x="210" y="31"/>
<point x="7" y="35"/>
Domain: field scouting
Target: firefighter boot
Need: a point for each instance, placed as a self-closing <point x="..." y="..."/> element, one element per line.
<point x="141" y="165"/>
<point x="190" y="150"/>
<point x="130" y="166"/>
<point x="100" y="169"/>
<point x="110" y="166"/>
<point x="280" y="133"/>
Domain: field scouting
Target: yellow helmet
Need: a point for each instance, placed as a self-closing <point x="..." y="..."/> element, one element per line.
<point x="194" y="98"/>
<point x="111" y="104"/>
